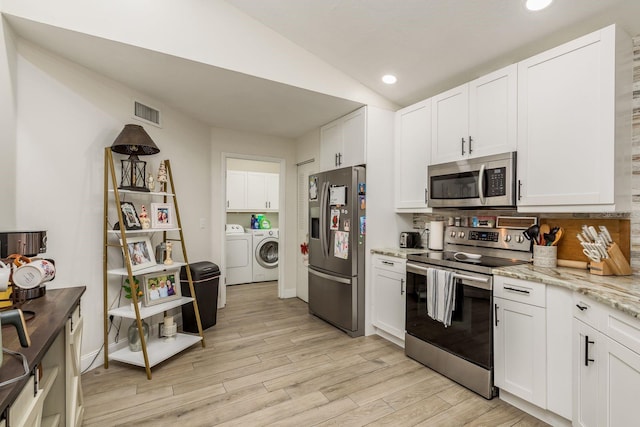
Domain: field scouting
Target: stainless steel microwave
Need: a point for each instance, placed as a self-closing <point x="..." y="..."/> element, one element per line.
<point x="488" y="181"/>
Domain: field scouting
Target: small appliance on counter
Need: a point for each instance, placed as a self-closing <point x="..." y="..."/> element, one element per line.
<point x="410" y="239"/>
<point x="27" y="243"/>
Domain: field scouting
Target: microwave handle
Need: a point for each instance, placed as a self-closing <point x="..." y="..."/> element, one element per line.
<point x="481" y="184"/>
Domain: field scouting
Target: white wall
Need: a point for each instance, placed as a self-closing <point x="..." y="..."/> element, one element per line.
<point x="210" y="32"/>
<point x="7" y="128"/>
<point x="244" y="144"/>
<point x="383" y="225"/>
<point x="66" y="116"/>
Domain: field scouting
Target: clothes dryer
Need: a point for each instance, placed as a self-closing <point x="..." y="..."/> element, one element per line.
<point x="239" y="265"/>
<point x="265" y="255"/>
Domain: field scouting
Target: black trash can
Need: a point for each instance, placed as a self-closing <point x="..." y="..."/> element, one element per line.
<point x="206" y="277"/>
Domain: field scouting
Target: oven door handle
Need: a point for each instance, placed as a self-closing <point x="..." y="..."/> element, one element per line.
<point x="483" y="282"/>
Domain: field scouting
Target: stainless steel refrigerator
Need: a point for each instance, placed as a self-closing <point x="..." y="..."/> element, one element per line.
<point x="337" y="222"/>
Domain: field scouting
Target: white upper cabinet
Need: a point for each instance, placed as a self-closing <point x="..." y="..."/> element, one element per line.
<point x="252" y="191"/>
<point x="574" y="112"/>
<point x="343" y="141"/>
<point x="236" y="190"/>
<point x="478" y="118"/>
<point x="412" y="154"/>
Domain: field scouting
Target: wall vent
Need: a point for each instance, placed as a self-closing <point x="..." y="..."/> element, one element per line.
<point x="146" y="113"/>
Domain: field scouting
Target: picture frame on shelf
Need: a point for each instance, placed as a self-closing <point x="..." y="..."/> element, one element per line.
<point x="130" y="216"/>
<point x="140" y="252"/>
<point x="161" y="287"/>
<point x="162" y="215"/>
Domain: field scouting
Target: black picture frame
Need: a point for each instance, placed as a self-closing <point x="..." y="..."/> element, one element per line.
<point x="130" y="216"/>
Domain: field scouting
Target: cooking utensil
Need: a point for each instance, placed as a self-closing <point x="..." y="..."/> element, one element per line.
<point x="558" y="235"/>
<point x="593" y="233"/>
<point x="532" y="233"/>
<point x="544" y="229"/>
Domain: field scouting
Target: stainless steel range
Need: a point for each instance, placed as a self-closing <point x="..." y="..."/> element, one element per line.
<point x="463" y="349"/>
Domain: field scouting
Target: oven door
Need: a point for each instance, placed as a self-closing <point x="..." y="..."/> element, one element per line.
<point x="470" y="335"/>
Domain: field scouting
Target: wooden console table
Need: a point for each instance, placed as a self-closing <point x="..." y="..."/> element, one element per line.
<point x="56" y="333"/>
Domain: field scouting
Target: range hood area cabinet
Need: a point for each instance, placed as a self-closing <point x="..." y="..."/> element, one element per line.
<point x="476" y="119"/>
<point x="412" y="156"/>
<point x="574" y="126"/>
<point x="343" y="141"/>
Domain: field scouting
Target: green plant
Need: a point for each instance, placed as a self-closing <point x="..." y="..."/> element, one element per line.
<point x="128" y="289"/>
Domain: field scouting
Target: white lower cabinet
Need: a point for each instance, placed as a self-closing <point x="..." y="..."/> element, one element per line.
<point x="388" y="305"/>
<point x="520" y="340"/>
<point x="606" y="371"/>
<point x="532" y="347"/>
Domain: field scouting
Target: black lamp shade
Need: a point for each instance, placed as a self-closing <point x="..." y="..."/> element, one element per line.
<point x="134" y="141"/>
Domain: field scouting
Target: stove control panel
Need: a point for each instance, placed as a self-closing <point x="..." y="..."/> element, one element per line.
<point x="497" y="238"/>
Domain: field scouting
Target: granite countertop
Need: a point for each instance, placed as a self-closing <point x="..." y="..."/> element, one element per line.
<point x="620" y="292"/>
<point x="399" y="252"/>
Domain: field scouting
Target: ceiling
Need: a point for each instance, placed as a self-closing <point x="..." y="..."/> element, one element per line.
<point x="431" y="45"/>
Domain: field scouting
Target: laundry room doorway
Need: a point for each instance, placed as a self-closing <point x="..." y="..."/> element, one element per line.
<point x="254" y="216"/>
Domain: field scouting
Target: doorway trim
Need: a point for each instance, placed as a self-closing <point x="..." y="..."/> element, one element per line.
<point x="282" y="179"/>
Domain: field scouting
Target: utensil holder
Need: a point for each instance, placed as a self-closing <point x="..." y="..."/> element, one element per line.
<point x="545" y="256"/>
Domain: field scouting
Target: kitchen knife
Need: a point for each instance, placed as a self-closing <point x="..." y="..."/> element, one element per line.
<point x="593" y="233"/>
<point x="586" y="234"/>
<point x="580" y="238"/>
<point x="605" y="233"/>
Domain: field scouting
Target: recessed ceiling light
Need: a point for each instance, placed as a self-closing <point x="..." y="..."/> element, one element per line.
<point x="538" y="4"/>
<point x="389" y="79"/>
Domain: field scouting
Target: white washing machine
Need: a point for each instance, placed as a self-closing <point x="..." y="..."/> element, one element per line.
<point x="265" y="255"/>
<point x="239" y="266"/>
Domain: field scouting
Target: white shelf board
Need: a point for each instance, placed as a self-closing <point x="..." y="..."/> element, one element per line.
<point x="148" y="193"/>
<point x="158" y="350"/>
<point x="146" y="230"/>
<point x="154" y="269"/>
<point x="128" y="312"/>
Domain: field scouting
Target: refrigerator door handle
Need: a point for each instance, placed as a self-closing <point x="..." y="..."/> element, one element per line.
<point x="324" y="223"/>
<point x="330" y="277"/>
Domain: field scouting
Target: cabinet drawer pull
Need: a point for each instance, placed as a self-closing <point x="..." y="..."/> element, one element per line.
<point x="401" y="286"/>
<point x="582" y="307"/>
<point x="388" y="263"/>
<point x="496" y="313"/>
<point x="586" y="350"/>
<point x="522" y="291"/>
<point x="462" y="144"/>
<point x="470" y="141"/>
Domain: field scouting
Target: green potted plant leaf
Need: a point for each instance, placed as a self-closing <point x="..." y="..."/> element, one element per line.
<point x="128" y="291"/>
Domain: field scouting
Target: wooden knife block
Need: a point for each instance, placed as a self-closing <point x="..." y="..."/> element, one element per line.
<point x="615" y="265"/>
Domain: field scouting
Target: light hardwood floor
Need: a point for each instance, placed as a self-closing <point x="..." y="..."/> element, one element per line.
<point x="268" y="362"/>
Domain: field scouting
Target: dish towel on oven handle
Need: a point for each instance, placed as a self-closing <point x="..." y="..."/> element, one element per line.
<point x="441" y="295"/>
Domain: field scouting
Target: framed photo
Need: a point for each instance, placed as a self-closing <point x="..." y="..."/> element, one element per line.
<point x="162" y="215"/>
<point x="130" y="216"/>
<point x="161" y="287"/>
<point x="140" y="252"/>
